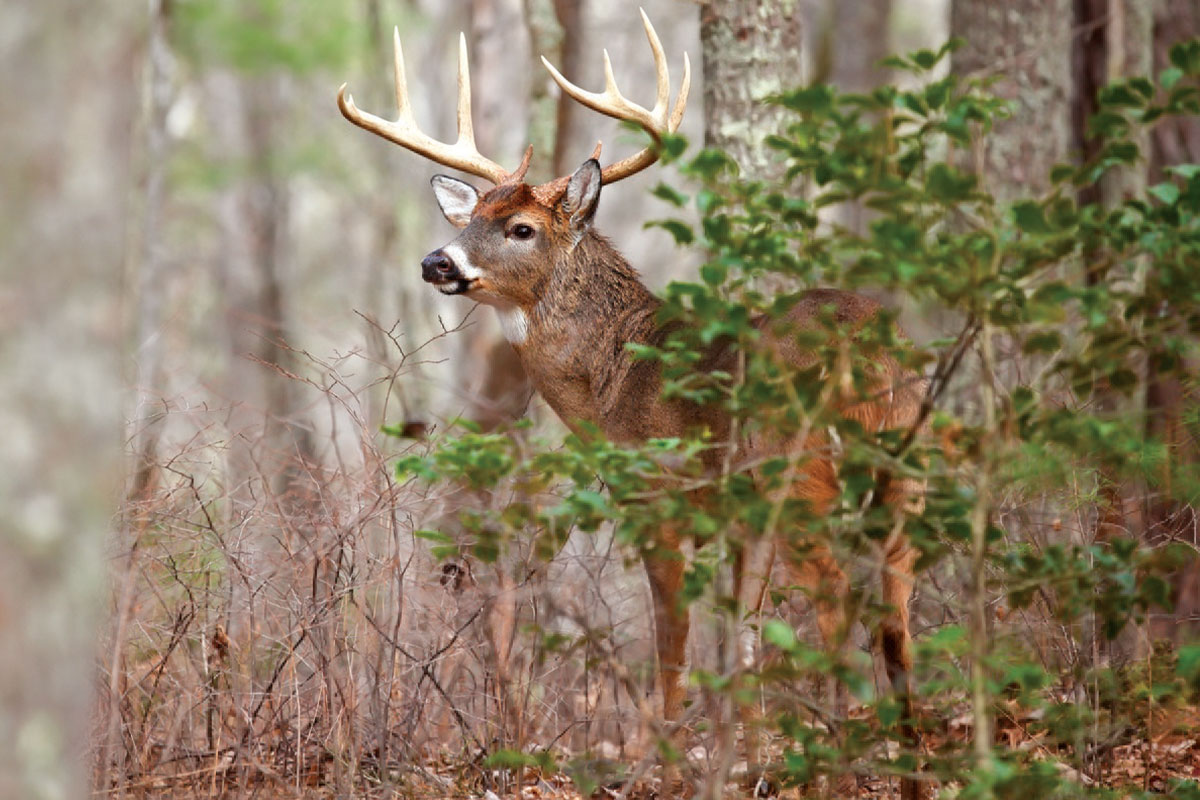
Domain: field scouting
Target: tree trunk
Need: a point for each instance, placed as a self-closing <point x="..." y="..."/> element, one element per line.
<point x="149" y="410"/>
<point x="858" y="40"/>
<point x="489" y="373"/>
<point x="1169" y="517"/>
<point x="1026" y="43"/>
<point x="853" y="43"/>
<point x="148" y="335"/>
<point x="1114" y="43"/>
<point x="751" y="50"/>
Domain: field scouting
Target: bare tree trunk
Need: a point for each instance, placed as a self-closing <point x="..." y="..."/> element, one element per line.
<point x="570" y="14"/>
<point x="858" y="41"/>
<point x="490" y="374"/>
<point x="751" y="50"/>
<point x="151" y="268"/>
<point x="1026" y="42"/>
<point x="383" y="230"/>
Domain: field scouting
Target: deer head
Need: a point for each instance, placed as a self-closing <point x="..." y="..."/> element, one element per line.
<point x="515" y="234"/>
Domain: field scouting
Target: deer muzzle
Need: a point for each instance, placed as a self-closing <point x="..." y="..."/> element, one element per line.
<point x="439" y="269"/>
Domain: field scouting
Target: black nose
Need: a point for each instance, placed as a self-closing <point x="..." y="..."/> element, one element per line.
<point x="438" y="266"/>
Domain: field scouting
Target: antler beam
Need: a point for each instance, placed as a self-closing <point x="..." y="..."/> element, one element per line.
<point x="611" y="102"/>
<point x="462" y="155"/>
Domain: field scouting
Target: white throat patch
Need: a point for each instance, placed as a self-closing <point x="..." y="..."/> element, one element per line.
<point x="514" y="323"/>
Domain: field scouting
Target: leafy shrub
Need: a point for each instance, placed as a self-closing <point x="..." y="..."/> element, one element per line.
<point x="1032" y="431"/>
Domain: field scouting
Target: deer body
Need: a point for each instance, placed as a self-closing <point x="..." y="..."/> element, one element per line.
<point x="569" y="303"/>
<point x="572" y="303"/>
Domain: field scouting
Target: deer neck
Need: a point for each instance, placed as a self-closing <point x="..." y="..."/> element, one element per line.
<point x="572" y="343"/>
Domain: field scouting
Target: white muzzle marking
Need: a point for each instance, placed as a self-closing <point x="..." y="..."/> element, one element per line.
<point x="465" y="268"/>
<point x="513" y="320"/>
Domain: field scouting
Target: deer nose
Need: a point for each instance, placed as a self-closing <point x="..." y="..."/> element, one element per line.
<point x="437" y="266"/>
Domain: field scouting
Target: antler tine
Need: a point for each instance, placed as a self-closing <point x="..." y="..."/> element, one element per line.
<point x="462" y="155"/>
<point x="657" y="121"/>
<point x="662" y="74"/>
<point x="403" y="106"/>
<point x="466" y="129"/>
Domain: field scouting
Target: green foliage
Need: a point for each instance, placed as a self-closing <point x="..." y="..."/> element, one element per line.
<point x="1082" y="298"/>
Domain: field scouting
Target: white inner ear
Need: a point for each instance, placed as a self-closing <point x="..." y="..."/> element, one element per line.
<point x="582" y="192"/>
<point x="456" y="198"/>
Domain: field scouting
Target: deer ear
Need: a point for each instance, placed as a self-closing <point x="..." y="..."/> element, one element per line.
<point x="456" y="198"/>
<point x="582" y="196"/>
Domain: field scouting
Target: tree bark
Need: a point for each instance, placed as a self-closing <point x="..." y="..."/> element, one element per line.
<point x="858" y="40"/>
<point x="1026" y="43"/>
<point x="853" y="43"/>
<point x="148" y="334"/>
<point x="751" y="50"/>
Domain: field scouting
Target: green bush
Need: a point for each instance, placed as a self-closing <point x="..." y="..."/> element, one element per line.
<point x="1033" y="416"/>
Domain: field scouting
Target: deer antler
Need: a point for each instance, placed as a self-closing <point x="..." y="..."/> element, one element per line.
<point x="611" y="102"/>
<point x="462" y="155"/>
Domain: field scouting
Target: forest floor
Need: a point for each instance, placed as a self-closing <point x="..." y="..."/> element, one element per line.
<point x="1132" y="765"/>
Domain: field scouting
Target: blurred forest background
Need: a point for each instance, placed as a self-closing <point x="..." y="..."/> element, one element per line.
<point x="211" y="304"/>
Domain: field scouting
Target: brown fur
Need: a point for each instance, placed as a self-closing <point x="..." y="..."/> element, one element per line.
<point x="583" y="303"/>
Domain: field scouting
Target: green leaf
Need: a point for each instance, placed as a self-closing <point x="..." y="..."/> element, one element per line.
<point x="1167" y="192"/>
<point x="1186" y="56"/>
<point x="672" y="196"/>
<point x="1119" y="96"/>
<point x="1187" y="664"/>
<point x="714" y="273"/>
<point x="948" y="184"/>
<point x="1031" y="217"/>
<point x="778" y="633"/>
<point x="1170" y="76"/>
<point x="1043" y="341"/>
<point x="681" y="231"/>
<point x="807" y="100"/>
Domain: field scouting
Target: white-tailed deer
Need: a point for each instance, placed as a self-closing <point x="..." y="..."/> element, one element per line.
<point x="570" y="303"/>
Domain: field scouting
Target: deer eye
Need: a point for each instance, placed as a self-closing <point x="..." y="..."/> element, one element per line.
<point x="521" y="231"/>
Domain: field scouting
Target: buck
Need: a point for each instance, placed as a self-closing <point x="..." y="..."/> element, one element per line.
<point x="569" y="303"/>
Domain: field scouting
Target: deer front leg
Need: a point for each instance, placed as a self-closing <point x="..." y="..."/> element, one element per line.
<point x="906" y="498"/>
<point x="664" y="569"/>
<point x="822" y="579"/>
<point x="895" y="643"/>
